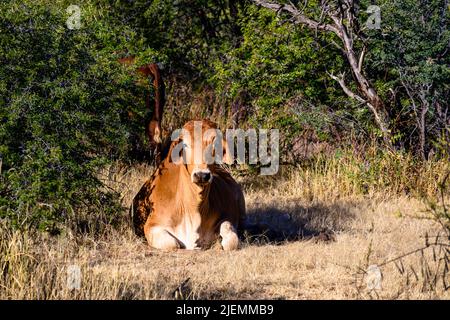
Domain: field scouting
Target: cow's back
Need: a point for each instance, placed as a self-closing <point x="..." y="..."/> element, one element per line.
<point x="142" y="207"/>
<point x="157" y="192"/>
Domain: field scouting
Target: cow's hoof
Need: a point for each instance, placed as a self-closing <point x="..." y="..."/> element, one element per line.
<point x="230" y="239"/>
<point x="230" y="243"/>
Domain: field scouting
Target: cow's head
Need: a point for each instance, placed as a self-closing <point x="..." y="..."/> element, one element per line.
<point x="200" y="147"/>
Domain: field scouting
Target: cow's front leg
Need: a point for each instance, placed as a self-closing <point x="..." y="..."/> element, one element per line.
<point x="230" y="239"/>
<point x="159" y="238"/>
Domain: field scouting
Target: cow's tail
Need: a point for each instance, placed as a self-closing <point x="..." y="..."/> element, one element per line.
<point x="153" y="126"/>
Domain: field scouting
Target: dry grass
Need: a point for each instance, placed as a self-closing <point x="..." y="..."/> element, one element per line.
<point x="368" y="228"/>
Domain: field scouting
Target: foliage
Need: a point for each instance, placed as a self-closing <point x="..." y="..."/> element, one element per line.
<point x="275" y="62"/>
<point x="410" y="63"/>
<point x="64" y="110"/>
<point x="67" y="108"/>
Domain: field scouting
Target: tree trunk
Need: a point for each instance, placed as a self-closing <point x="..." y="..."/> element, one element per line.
<point x="369" y="95"/>
<point x="372" y="99"/>
<point x="423" y="124"/>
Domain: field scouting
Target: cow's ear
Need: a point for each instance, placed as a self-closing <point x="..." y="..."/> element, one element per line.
<point x="176" y="153"/>
<point x="227" y="157"/>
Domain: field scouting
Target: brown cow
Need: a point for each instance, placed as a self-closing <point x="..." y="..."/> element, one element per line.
<point x="190" y="205"/>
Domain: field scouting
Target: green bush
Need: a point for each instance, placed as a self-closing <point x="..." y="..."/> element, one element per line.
<point x="64" y="110"/>
<point x="67" y="107"/>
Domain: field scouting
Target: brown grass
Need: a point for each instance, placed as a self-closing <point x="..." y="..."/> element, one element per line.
<point x="368" y="227"/>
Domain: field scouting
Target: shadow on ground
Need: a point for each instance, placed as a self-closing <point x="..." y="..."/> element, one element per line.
<point x="293" y="221"/>
<point x="185" y="290"/>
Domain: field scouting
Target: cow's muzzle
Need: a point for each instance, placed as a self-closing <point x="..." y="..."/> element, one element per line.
<point x="202" y="176"/>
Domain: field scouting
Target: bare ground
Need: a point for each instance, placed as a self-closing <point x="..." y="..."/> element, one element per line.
<point x="360" y="231"/>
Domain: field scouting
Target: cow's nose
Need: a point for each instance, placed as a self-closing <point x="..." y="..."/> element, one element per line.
<point x="202" y="177"/>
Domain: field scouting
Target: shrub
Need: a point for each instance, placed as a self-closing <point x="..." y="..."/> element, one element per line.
<point x="65" y="110"/>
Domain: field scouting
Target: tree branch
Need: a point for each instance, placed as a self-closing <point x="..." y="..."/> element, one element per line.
<point x="344" y="87"/>
<point x="298" y="15"/>
<point x="361" y="58"/>
<point x="343" y="17"/>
